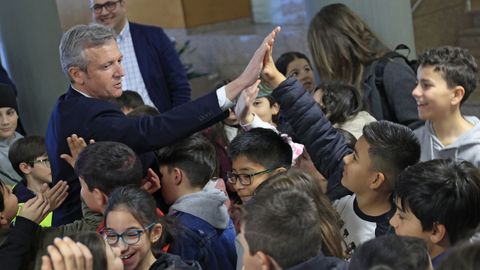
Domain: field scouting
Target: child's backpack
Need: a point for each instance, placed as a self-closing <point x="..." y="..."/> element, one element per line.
<point x="380" y="69"/>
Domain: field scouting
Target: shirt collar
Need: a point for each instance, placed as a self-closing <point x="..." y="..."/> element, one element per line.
<point x="125" y="32"/>
<point x="82" y="93"/>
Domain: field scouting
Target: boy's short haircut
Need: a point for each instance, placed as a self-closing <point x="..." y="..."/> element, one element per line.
<point x="442" y="192"/>
<point x="262" y="146"/>
<point x="392" y="251"/>
<point x="464" y="256"/>
<point x="26" y="149"/>
<point x="130" y="99"/>
<point x="107" y="165"/>
<point x="392" y="147"/>
<point x="194" y="155"/>
<point x="457" y="66"/>
<point x="283" y="225"/>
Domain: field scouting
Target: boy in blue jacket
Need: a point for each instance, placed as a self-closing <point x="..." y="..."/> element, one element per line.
<point x="207" y="234"/>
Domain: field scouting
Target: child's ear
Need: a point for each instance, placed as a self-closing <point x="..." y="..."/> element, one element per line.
<point x="25" y="168"/>
<point x="156" y="232"/>
<point x="439" y="233"/>
<point x="179" y="175"/>
<point x="279" y="170"/>
<point x="275" y="108"/>
<point x="378" y="181"/>
<point x="458" y="92"/>
<point x="263" y="260"/>
<point x="100" y="198"/>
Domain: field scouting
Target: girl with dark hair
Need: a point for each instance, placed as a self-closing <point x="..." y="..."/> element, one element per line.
<point x="345" y="49"/>
<point x="132" y="225"/>
<point x="298" y="65"/>
<point x="343" y="106"/>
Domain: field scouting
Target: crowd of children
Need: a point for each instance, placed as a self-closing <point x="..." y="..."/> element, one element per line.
<point x="297" y="176"/>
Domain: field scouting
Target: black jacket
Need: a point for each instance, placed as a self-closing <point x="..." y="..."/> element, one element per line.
<point x="324" y="144"/>
<point x="321" y="262"/>
<point x="170" y="261"/>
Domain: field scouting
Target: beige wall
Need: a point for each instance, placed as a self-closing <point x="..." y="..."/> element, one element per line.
<point x="164" y="13"/>
<point x="438" y="22"/>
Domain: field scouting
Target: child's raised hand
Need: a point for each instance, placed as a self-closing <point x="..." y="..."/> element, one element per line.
<point x="55" y="195"/>
<point x="245" y="101"/>
<point x="76" y="145"/>
<point x="270" y="72"/>
<point x="35" y="209"/>
<point x="151" y="183"/>
<point x="65" y="254"/>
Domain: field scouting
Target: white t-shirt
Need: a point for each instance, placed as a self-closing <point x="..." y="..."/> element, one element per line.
<point x="359" y="227"/>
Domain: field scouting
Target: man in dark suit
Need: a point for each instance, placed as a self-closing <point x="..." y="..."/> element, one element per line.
<point x="152" y="66"/>
<point x="92" y="61"/>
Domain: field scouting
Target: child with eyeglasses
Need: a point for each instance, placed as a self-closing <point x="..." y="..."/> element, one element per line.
<point x="22" y="240"/>
<point x="133" y="226"/>
<point x="29" y="159"/>
<point x="256" y="155"/>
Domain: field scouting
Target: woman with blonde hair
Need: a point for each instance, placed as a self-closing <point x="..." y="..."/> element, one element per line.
<point x="344" y="49"/>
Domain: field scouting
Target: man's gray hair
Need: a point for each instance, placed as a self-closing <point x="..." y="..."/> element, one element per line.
<point x="78" y="38"/>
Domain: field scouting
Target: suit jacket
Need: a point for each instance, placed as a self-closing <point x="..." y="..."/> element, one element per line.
<point x="101" y="120"/>
<point x="162" y="72"/>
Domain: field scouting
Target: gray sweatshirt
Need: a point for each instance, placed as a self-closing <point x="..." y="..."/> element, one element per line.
<point x="207" y="204"/>
<point x="466" y="147"/>
<point x="7" y="174"/>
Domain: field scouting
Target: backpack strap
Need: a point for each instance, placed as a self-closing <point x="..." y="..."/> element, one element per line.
<point x="379" y="72"/>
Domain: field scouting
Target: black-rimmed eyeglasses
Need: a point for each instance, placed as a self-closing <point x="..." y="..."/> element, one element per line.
<point x="244" y="178"/>
<point x="109" y="6"/>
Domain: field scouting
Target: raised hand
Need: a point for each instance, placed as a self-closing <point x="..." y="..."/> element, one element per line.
<point x="252" y="72"/>
<point x="151" y="183"/>
<point x="270" y="72"/>
<point x="243" y="109"/>
<point x="35" y="209"/>
<point x="76" y="145"/>
<point x="55" y="195"/>
<point x="65" y="254"/>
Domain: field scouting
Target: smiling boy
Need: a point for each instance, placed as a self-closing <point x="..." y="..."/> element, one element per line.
<point x="446" y="78"/>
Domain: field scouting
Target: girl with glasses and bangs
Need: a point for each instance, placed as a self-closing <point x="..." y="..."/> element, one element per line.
<point x="133" y="226"/>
